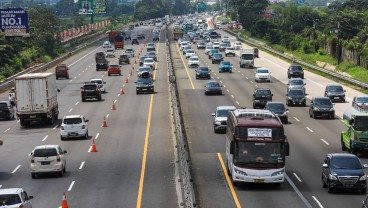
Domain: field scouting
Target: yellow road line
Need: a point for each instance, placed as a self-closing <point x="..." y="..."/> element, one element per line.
<point x="228" y="180"/>
<point x="145" y="148"/>
<point x="186" y="69"/>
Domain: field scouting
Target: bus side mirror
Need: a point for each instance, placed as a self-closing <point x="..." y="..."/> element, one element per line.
<point x="232" y="146"/>
<point x="287" y="148"/>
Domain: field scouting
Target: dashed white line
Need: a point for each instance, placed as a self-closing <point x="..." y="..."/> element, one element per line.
<point x="243" y="75"/>
<point x="296" y="119"/>
<point x="237" y="103"/>
<point x="228" y="90"/>
<point x="7" y="129"/>
<point x="220" y="81"/>
<point x="118" y="95"/>
<point x="75" y="77"/>
<point x="309" y="129"/>
<point x="70" y="110"/>
<point x="77" y="103"/>
<point x="103" y="75"/>
<point x="70" y="80"/>
<point x="232" y="96"/>
<point x="107" y="115"/>
<point x="78" y="74"/>
<point x="55" y="127"/>
<point x="16" y="168"/>
<point x="256" y="85"/>
<point x="297" y="177"/>
<point x="71" y="186"/>
<point x="319" y="203"/>
<point x="246" y="77"/>
<point x="18" y="121"/>
<point x="115" y="101"/>
<point x="81" y="166"/>
<point x="90" y="147"/>
<point x="325" y="141"/>
<point x="45" y="138"/>
<point x="98" y="134"/>
<point x="251" y="82"/>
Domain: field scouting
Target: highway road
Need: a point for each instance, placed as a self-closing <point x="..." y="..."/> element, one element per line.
<point x="310" y="140"/>
<point x="134" y="162"/>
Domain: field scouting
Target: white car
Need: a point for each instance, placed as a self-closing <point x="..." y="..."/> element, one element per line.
<point x="110" y="53"/>
<point x="15" y="198"/>
<point x="184" y="44"/>
<point x="101" y="84"/>
<point x="189" y="53"/>
<point x="238" y="45"/>
<point x="229" y="51"/>
<point x="220" y="117"/>
<point x="106" y="44"/>
<point x="130" y="52"/>
<point x="149" y="62"/>
<point x="48" y="159"/>
<point x="73" y="126"/>
<point x="216" y="45"/>
<point x="225" y="38"/>
<point x="208" y="49"/>
<point x="193" y="61"/>
<point x="263" y="74"/>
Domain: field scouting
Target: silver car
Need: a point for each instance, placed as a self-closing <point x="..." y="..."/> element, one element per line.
<point x="220" y="118"/>
<point x="296" y="83"/>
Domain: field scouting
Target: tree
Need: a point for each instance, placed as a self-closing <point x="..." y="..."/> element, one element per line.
<point x="249" y="10"/>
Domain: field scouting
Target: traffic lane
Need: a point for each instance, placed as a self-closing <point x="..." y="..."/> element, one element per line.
<point x="159" y="182"/>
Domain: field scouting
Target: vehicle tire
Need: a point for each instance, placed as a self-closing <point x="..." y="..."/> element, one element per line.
<point x="213" y="62"/>
<point x="343" y="100"/>
<point x="324" y="185"/>
<point x="33" y="175"/>
<point x="119" y="74"/>
<point x="286" y="120"/>
<point x="99" y="98"/>
<point x="62" y="138"/>
<point x="86" y="135"/>
<point x="329" y="188"/>
<point x="313" y="115"/>
<point x="61" y="173"/>
<point x="235" y="183"/>
<point x="227" y="168"/>
<point x="278" y="184"/>
<point x="216" y="131"/>
<point x="289" y="76"/>
<point x="343" y="148"/>
<point x="23" y="122"/>
<point x="64" y="169"/>
<point x="108" y="74"/>
<point x="332" y="116"/>
<point x="302" y="77"/>
<point x="363" y="191"/>
<point x="83" y="100"/>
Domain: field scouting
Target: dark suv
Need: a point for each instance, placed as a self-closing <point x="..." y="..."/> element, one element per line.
<point x="295" y="71"/>
<point x="144" y="84"/>
<point x="321" y="106"/>
<point x="296" y="97"/>
<point x="102" y="64"/>
<point x="343" y="171"/>
<point x="124" y="59"/>
<point x="217" y="58"/>
<point x="203" y="72"/>
<point x="90" y="91"/>
<point x="261" y="96"/>
<point x="335" y="92"/>
<point x="278" y="108"/>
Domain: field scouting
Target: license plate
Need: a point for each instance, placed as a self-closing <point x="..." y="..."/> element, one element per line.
<point x="144" y="89"/>
<point x="259" y="180"/>
<point x="33" y="116"/>
<point x="45" y="163"/>
<point x="73" y="134"/>
<point x="336" y="98"/>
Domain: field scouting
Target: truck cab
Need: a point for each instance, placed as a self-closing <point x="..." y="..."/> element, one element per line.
<point x="246" y="57"/>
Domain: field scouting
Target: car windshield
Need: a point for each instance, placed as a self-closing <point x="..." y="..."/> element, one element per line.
<point x="97" y="81"/>
<point x="225" y="63"/>
<point x="335" y="89"/>
<point x="3" y="106"/>
<point x="114" y="66"/>
<point x="151" y="54"/>
<point x="89" y="87"/>
<point x="276" y="107"/>
<point x="229" y="49"/>
<point x="296" y="92"/>
<point x="141" y="69"/>
<point x="9" y="199"/>
<point x="148" y="60"/>
<point x="72" y="120"/>
<point x="129" y="50"/>
<point x="263" y="93"/>
<point x="190" y="51"/>
<point x="193" y="59"/>
<point x="238" y="43"/>
<point x="322" y="102"/>
<point x="213" y="84"/>
<point x="106" y="43"/>
<point x="144" y="81"/>
<point x="296" y="82"/>
<point x="222" y="113"/>
<point x="217" y="55"/>
<point x="203" y="69"/>
<point x="48" y="152"/>
<point x="296" y="68"/>
<point x="262" y="71"/>
<point x="247" y="56"/>
<point x="101" y="61"/>
<point x="345" y="163"/>
<point x="60" y="68"/>
<point x="362" y="99"/>
<point x="110" y="51"/>
<point x="223" y="44"/>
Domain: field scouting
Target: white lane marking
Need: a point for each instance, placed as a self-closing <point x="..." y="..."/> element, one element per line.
<point x="90" y="147"/>
<point x="71" y="186"/>
<point x="232" y="96"/>
<point x="319" y="203"/>
<point x="243" y="75"/>
<point x="98" y="134"/>
<point x="215" y="74"/>
<point x="55" y="127"/>
<point x="1" y="186"/>
<point x="78" y="74"/>
<point x="77" y="103"/>
<point x="297" y="177"/>
<point x="16" y="168"/>
<point x="115" y="101"/>
<point x="251" y="81"/>
<point x="296" y="119"/>
<point x="228" y="90"/>
<point x="45" y="138"/>
<point x="103" y="75"/>
<point x="224" y="86"/>
<point x="220" y="81"/>
<point x="75" y="77"/>
<point x="70" y="80"/>
<point x="118" y="95"/>
<point x="18" y="121"/>
<point x="7" y="129"/>
<point x="246" y="77"/>
<point x="84" y="56"/>
<point x="70" y="110"/>
<point x="309" y="129"/>
<point x="305" y="201"/>
<point x="107" y="115"/>
<point x="237" y="103"/>
<point x="325" y="141"/>
<point x="256" y="85"/>
<point x="81" y="166"/>
<point x="83" y="70"/>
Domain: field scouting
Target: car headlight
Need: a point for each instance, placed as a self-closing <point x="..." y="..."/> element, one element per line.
<point x="363" y="178"/>
<point x="332" y="109"/>
<point x="332" y="177"/>
<point x="240" y="172"/>
<point x="316" y="109"/>
<point x="289" y="98"/>
<point x="284" y="113"/>
<point x="278" y="173"/>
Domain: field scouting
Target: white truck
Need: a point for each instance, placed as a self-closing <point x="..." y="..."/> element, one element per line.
<point x="246" y="57"/>
<point x="36" y="98"/>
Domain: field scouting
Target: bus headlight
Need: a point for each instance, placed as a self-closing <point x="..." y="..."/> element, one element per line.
<point x="278" y="173"/>
<point x="240" y="172"/>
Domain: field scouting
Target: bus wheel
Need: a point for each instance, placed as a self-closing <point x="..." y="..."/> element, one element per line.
<point x="227" y="168"/>
<point x="235" y="183"/>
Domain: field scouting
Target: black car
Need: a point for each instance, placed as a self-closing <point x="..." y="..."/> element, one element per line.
<point x="203" y="72"/>
<point x="124" y="59"/>
<point x="128" y="37"/>
<point x="278" y="108"/>
<point x="90" y="90"/>
<point x="102" y="64"/>
<point x="212" y="88"/>
<point x="295" y="71"/>
<point x="136" y="25"/>
<point x="335" y="92"/>
<point x="217" y="58"/>
<point x="135" y="41"/>
<point x="139" y="36"/>
<point x="343" y="171"/>
<point x="321" y="106"/>
<point x="144" y="84"/>
<point x="261" y="96"/>
<point x="6" y="110"/>
<point x="296" y="97"/>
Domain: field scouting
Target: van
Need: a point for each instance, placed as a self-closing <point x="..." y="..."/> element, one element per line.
<point x="62" y="70"/>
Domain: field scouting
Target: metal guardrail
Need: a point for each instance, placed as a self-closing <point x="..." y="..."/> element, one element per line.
<point x="9" y="82"/>
<point x="182" y="147"/>
<point x="331" y="73"/>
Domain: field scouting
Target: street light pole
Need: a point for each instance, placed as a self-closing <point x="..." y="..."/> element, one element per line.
<point x="338" y="43"/>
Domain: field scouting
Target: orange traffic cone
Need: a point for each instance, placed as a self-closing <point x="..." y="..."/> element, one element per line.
<point x="113" y="106"/>
<point x="133" y="67"/>
<point x="122" y="91"/>
<point x="104" y="123"/>
<point x="126" y="80"/>
<point x="135" y="61"/>
<point x="94" y="148"/>
<point x="64" y="203"/>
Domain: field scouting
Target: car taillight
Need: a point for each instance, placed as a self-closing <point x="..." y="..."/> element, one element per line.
<point x="62" y="127"/>
<point x="32" y="160"/>
<point x="58" y="158"/>
<point x="21" y="206"/>
<point x="83" y="126"/>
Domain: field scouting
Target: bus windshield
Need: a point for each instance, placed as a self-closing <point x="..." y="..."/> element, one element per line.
<point x="259" y="154"/>
<point x="361" y="123"/>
